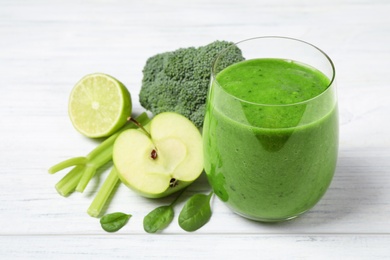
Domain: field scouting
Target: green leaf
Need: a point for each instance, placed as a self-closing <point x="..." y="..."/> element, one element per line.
<point x="158" y="219"/>
<point x="196" y="212"/>
<point x="114" y="221"/>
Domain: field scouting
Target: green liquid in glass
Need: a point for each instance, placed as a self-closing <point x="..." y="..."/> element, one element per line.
<point x="273" y="161"/>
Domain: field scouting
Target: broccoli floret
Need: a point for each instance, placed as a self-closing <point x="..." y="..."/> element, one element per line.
<point x="178" y="81"/>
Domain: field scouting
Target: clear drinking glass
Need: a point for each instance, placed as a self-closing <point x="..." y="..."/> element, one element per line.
<point x="271" y="160"/>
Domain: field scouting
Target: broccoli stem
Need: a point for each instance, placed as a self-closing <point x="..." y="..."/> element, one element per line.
<point x="103" y="194"/>
<point x="86" y="166"/>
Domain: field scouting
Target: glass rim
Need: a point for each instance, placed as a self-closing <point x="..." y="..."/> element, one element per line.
<point x="214" y="78"/>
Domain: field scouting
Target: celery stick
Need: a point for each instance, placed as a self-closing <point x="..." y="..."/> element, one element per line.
<point x="103" y="194"/>
<point x="89" y="171"/>
<point x="68" y="183"/>
<point x="67" y="163"/>
<point x="103" y="154"/>
<point x="88" y="165"/>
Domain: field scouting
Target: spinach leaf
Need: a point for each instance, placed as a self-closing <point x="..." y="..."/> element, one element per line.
<point x="114" y="221"/>
<point x="158" y="219"/>
<point x="196" y="212"/>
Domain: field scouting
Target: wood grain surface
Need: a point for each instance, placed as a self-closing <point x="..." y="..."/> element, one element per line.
<point x="47" y="46"/>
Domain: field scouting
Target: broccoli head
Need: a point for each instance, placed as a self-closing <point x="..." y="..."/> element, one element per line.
<point x="178" y="81"/>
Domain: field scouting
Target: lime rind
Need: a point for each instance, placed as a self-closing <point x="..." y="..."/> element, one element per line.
<point x="99" y="105"/>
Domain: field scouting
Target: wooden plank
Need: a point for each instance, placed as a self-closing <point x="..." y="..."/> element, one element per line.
<point x="212" y="246"/>
<point x="357" y="201"/>
<point x="46" y="47"/>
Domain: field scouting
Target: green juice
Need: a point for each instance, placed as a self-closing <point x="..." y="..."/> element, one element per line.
<point x="270" y="137"/>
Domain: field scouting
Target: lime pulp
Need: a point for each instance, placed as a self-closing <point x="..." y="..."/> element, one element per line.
<point x="99" y="105"/>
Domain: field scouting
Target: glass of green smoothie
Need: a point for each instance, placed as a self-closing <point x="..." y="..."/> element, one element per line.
<point x="271" y="128"/>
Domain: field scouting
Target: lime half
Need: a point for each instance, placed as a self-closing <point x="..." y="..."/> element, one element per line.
<point x="99" y="105"/>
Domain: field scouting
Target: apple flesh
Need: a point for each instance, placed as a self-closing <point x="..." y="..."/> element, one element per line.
<point x="168" y="160"/>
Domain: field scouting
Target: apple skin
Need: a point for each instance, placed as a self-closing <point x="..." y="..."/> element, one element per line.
<point x="180" y="156"/>
<point x="167" y="192"/>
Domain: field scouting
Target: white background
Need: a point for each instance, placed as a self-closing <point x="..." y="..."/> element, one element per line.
<point x="47" y="46"/>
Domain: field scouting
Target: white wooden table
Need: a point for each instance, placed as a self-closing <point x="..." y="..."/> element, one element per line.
<point x="47" y="46"/>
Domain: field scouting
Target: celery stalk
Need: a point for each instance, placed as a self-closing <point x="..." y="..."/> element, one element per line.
<point x="68" y="183"/>
<point x="67" y="163"/>
<point x="86" y="166"/>
<point x="103" y="194"/>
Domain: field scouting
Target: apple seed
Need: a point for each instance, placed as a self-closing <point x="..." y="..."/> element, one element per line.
<point x="153" y="155"/>
<point x="173" y="183"/>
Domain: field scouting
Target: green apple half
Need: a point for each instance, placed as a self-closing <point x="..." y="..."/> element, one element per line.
<point x="167" y="160"/>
